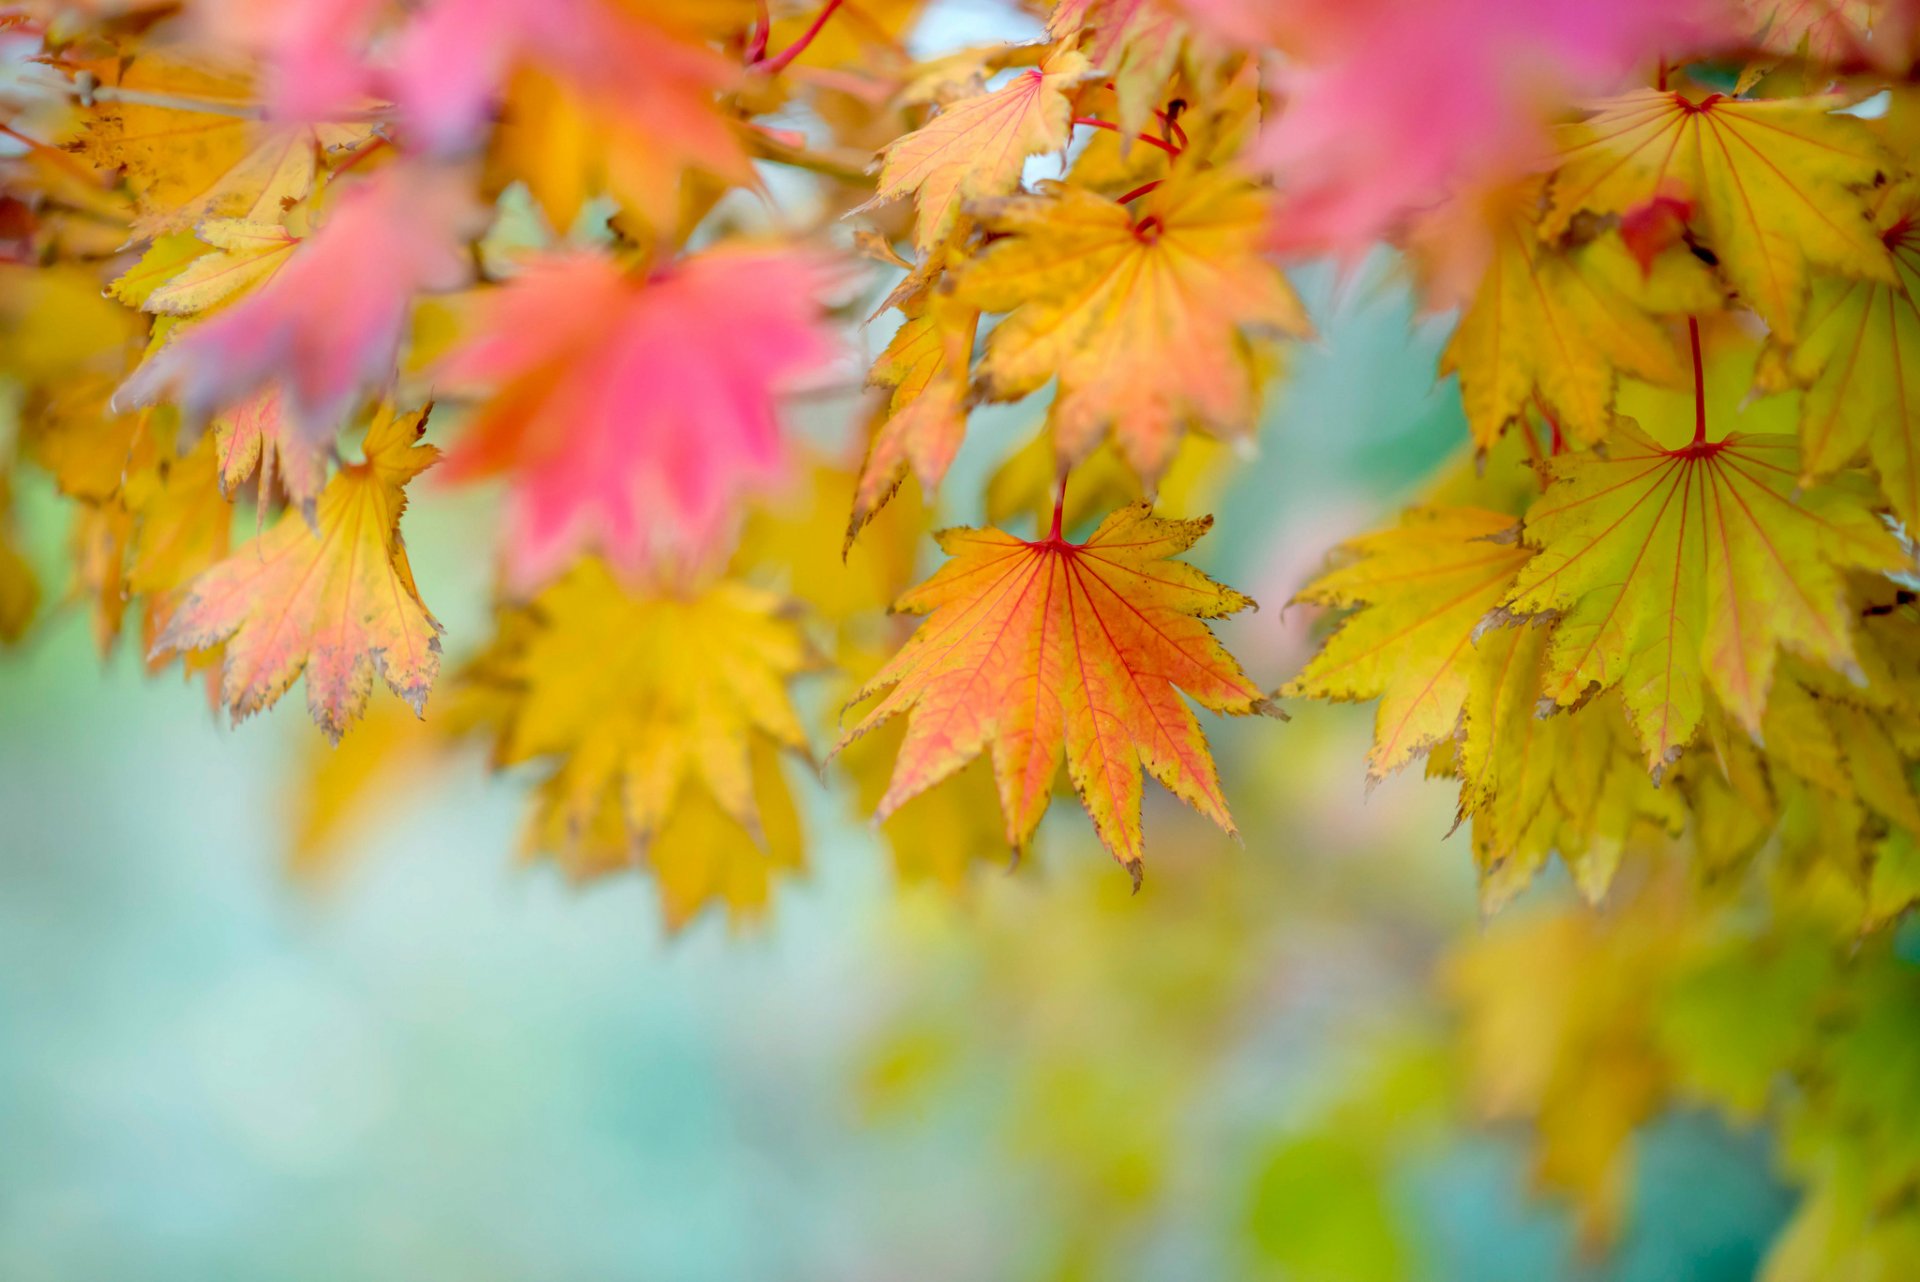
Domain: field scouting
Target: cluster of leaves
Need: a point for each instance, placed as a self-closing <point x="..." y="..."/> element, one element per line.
<point x="253" y="254"/>
<point x="1698" y="329"/>
<point x="324" y="222"/>
<point x="301" y="223"/>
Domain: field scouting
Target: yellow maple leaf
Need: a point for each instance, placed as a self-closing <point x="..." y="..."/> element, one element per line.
<point x="975" y="147"/>
<point x="335" y="600"/>
<point x="192" y="147"/>
<point x="1144" y="318"/>
<point x="1534" y="785"/>
<point x="1043" y="648"/>
<point x="652" y="703"/>
<point x="925" y="369"/>
<point x="701" y="855"/>
<point x="1425" y="585"/>
<point x="1675" y="572"/>
<point x="1560" y="325"/>
<point x="1857" y="359"/>
<point x="1773" y="186"/>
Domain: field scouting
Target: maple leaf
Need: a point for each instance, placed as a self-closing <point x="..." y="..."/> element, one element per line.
<point x="1676" y="572"/>
<point x="925" y="367"/>
<point x="635" y="412"/>
<point x="1773" y="186"/>
<point x="975" y="147"/>
<point x="1572" y="783"/>
<point x="192" y="151"/>
<point x="1856" y="358"/>
<point x="1425" y="585"/>
<point x="652" y="703"/>
<point x="1046" y="648"/>
<point x="1144" y="319"/>
<point x="327" y="325"/>
<point x="1560" y="325"/>
<point x="336" y="600"/>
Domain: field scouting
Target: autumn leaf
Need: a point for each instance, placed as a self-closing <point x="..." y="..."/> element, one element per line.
<point x="700" y="857"/>
<point x="192" y="149"/>
<point x="651" y="703"/>
<point x="975" y="147"/>
<point x="1681" y="572"/>
<point x="1045" y="648"/>
<point x="634" y="412"/>
<point x="925" y="369"/>
<point x="1145" y="318"/>
<point x="1561" y="325"/>
<point x="1422" y="588"/>
<point x="1572" y="783"/>
<point x="1774" y="186"/>
<point x="1856" y="357"/>
<point x="336" y="600"/>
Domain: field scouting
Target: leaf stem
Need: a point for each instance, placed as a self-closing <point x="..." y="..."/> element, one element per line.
<point x="1699" y="385"/>
<point x="1558" y="442"/>
<point x="757" y="36"/>
<point x="1059" y="506"/>
<point x="1534" y="456"/>
<point x="1095" y="122"/>
<point x="778" y="63"/>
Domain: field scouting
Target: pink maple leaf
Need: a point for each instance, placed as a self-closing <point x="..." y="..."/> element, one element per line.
<point x="633" y="413"/>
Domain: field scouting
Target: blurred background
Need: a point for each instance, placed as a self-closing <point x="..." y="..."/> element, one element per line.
<point x="425" y="1061"/>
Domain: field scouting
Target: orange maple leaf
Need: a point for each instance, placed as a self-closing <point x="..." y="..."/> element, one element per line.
<point x="1043" y="647"/>
<point x="977" y="146"/>
<point x="335" y="599"/>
